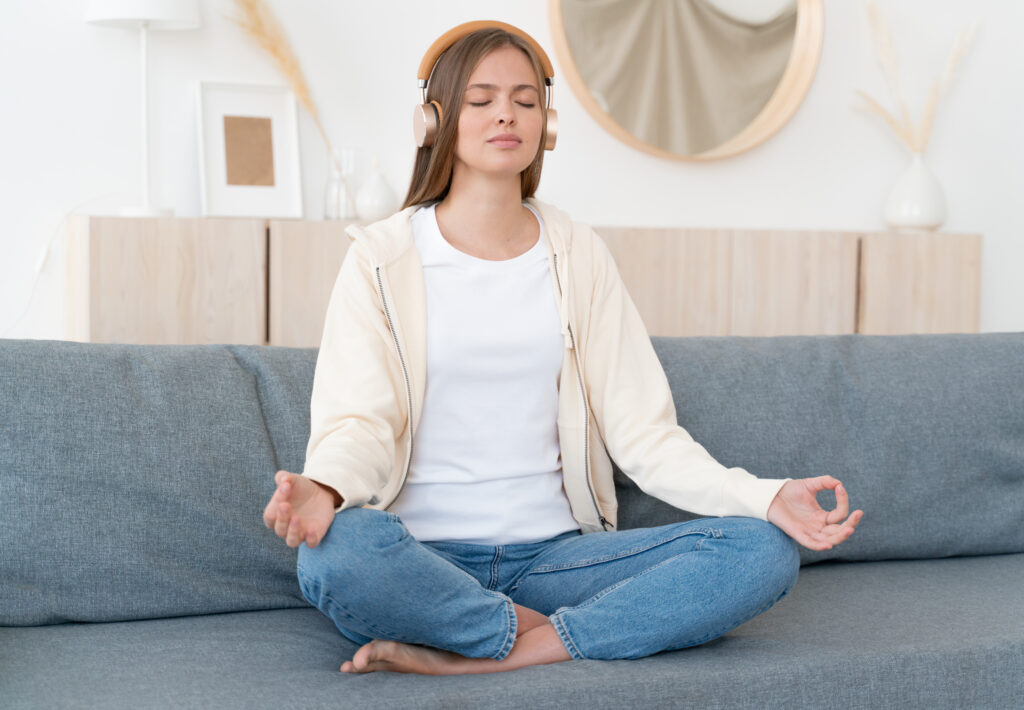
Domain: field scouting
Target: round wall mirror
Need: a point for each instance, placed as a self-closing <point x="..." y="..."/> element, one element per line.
<point x="689" y="79"/>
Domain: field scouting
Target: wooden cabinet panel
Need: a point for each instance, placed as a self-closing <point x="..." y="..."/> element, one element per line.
<point x="161" y="281"/>
<point x="736" y="282"/>
<point x="920" y="283"/>
<point x="305" y="258"/>
<point x="793" y="283"/>
<point x="258" y="281"/>
<point x="679" y="279"/>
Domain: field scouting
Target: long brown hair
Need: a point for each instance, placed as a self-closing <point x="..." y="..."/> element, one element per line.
<point x="432" y="172"/>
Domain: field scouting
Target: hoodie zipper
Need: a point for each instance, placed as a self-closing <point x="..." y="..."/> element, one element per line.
<point x="408" y="385"/>
<point x="586" y="408"/>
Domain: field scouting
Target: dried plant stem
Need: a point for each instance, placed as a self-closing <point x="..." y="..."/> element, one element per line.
<point x="887" y="58"/>
<point x="915" y="137"/>
<point x="902" y="131"/>
<point x="262" y="27"/>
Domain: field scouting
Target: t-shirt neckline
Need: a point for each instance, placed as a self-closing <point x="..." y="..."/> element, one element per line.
<point x="465" y="258"/>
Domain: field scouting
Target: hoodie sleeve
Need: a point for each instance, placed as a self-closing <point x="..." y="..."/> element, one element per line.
<point x="354" y="412"/>
<point x="632" y="405"/>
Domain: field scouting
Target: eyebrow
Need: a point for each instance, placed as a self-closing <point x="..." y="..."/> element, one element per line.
<point x="492" y="87"/>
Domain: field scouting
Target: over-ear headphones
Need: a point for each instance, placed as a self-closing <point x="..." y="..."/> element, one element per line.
<point x="427" y="116"/>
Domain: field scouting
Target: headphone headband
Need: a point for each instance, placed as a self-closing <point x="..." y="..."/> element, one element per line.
<point x="458" y="32"/>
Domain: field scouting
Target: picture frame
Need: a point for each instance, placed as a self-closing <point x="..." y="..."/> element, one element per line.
<point x="248" y="150"/>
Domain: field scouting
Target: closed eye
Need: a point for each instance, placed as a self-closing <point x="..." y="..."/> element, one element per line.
<point x="484" y="103"/>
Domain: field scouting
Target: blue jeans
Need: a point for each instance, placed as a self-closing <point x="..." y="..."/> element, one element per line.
<point x="616" y="594"/>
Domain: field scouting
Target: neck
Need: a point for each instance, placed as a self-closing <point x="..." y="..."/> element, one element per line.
<point x="484" y="213"/>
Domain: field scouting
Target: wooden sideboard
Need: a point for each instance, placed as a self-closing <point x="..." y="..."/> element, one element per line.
<point x="258" y="281"/>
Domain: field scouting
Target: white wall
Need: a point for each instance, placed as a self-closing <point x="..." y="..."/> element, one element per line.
<point x="69" y="129"/>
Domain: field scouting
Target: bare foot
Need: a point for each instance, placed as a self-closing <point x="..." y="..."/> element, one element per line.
<point x="537" y="646"/>
<point x="381" y="655"/>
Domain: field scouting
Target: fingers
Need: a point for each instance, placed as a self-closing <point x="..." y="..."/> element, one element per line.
<point x="284" y="516"/>
<point x="832" y="535"/>
<point x="824" y="537"/>
<point x="821" y="483"/>
<point x="312" y="539"/>
<point x="842" y="510"/>
<point x="296" y="533"/>
<point x="282" y="493"/>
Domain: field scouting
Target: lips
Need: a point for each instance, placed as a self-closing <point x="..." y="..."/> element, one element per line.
<point x="505" y="140"/>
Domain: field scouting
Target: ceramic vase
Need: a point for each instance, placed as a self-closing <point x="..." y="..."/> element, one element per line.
<point x="376" y="200"/>
<point x="338" y="203"/>
<point x="916" y="202"/>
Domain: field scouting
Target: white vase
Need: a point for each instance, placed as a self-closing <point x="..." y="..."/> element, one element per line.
<point x="376" y="200"/>
<point x="338" y="202"/>
<point x="916" y="201"/>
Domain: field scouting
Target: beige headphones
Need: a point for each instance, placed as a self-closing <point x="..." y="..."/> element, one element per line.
<point x="427" y="116"/>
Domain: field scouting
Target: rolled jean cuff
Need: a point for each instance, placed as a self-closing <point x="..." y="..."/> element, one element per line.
<point x="563" y="633"/>
<point x="510" y="638"/>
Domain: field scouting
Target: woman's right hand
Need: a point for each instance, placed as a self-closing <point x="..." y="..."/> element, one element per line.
<point x="300" y="510"/>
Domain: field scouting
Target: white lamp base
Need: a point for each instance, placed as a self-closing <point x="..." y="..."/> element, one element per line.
<point x="146" y="212"/>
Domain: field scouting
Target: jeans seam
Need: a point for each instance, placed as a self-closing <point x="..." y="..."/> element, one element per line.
<point x="344" y="610"/>
<point x="730" y="627"/>
<point x="623" y="553"/>
<point x="496" y="567"/>
<point x="510" y="637"/>
<point x="563" y="634"/>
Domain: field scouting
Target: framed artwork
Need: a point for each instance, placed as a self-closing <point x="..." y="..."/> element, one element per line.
<point x="248" y="151"/>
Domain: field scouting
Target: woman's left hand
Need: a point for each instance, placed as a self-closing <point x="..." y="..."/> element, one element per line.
<point x="795" y="510"/>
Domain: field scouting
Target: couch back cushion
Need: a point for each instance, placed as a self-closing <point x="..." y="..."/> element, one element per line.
<point x="133" y="478"/>
<point x="925" y="431"/>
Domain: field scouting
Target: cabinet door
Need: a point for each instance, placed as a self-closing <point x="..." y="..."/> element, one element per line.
<point x="166" y="281"/>
<point x="305" y="258"/>
<point x="793" y="283"/>
<point x="920" y="283"/>
<point x="735" y="282"/>
<point x="679" y="279"/>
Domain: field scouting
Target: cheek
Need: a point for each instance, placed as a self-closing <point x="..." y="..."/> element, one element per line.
<point x="469" y="127"/>
<point x="536" y="122"/>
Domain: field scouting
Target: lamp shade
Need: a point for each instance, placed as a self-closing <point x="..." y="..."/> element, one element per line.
<point x="160" y="14"/>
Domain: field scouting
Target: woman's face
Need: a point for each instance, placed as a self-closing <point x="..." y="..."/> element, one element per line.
<point x="500" y="123"/>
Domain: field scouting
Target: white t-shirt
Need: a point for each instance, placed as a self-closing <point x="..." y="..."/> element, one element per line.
<point x="486" y="464"/>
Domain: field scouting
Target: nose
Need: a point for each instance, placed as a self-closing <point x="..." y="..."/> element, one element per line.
<point x="506" y="112"/>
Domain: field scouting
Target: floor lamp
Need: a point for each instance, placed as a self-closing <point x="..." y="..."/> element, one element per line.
<point x="145" y="15"/>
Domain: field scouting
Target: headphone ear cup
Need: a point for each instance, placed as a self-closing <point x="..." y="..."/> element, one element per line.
<point x="426" y="122"/>
<point x="552" y="130"/>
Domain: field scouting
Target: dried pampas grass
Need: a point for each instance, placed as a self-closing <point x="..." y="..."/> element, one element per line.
<point x="259" y="23"/>
<point x="915" y="137"/>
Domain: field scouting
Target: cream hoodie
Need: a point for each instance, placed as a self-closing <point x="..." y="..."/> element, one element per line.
<point x="614" y="398"/>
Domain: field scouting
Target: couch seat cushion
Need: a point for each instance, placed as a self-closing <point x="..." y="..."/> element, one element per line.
<point x="945" y="633"/>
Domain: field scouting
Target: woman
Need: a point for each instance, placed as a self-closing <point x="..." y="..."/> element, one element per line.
<point x="480" y="361"/>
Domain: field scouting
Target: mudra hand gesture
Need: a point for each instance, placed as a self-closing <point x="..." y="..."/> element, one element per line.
<point x="795" y="510"/>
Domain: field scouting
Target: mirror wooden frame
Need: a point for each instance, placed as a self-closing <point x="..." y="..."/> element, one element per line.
<point x="796" y="80"/>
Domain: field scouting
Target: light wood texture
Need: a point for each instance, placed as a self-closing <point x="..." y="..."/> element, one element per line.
<point x="161" y="281"/>
<point x="305" y="258"/>
<point x="736" y="282"/>
<point x="258" y="281"/>
<point x="920" y="283"/>
<point x="679" y="279"/>
<point x="793" y="283"/>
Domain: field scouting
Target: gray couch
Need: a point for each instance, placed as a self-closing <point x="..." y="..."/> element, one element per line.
<point x="135" y="570"/>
